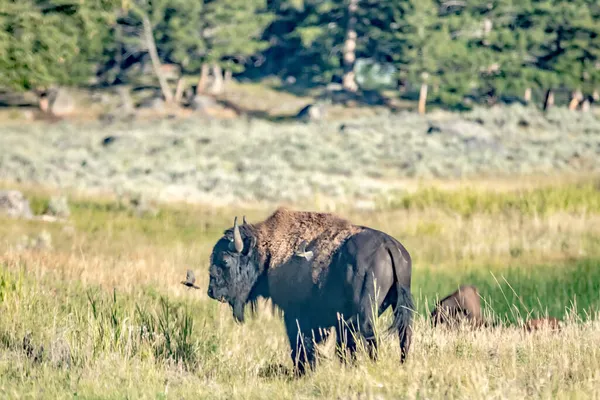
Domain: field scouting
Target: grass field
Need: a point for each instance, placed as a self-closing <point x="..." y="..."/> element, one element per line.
<point x="98" y="311"/>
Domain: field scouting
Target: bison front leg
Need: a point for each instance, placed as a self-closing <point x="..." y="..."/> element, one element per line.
<point x="302" y="344"/>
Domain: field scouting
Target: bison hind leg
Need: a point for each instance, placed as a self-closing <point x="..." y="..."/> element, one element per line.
<point x="351" y="332"/>
<point x="348" y="337"/>
<point x="345" y="342"/>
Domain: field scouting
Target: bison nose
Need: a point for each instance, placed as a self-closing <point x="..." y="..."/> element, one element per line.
<point x="210" y="292"/>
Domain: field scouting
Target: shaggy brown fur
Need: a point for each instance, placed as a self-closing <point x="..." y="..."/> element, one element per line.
<point x="280" y="235"/>
<point x="539" y="323"/>
<point x="462" y="304"/>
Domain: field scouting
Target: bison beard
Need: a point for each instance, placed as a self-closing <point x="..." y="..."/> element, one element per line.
<point x="352" y="271"/>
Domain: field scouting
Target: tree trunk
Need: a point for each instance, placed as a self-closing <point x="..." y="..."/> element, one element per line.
<point x="573" y="103"/>
<point x="575" y="99"/>
<point x="228" y="77"/>
<point x="179" y="90"/>
<point x="217" y="86"/>
<point x="585" y="106"/>
<point x="203" y="78"/>
<point x="125" y="97"/>
<point x="51" y="95"/>
<point x="549" y="100"/>
<point x="349" y="78"/>
<point x="527" y="96"/>
<point x="422" y="98"/>
<point x="156" y="64"/>
<point x="44" y="103"/>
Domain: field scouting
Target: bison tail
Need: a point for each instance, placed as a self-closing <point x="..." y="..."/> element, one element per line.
<point x="402" y="324"/>
<point x="403" y="311"/>
<point x="404" y="307"/>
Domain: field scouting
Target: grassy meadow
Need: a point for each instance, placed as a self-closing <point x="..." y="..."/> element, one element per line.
<point x="92" y="307"/>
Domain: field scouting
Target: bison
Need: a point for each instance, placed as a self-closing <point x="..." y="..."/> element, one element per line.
<point x="321" y="271"/>
<point x="463" y="304"/>
<point x="540" y="323"/>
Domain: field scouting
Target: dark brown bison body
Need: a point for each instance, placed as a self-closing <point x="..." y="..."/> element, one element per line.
<point x="550" y="323"/>
<point x="462" y="305"/>
<point x="322" y="272"/>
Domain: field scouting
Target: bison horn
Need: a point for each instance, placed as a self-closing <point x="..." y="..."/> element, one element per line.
<point x="237" y="237"/>
<point x="244" y="219"/>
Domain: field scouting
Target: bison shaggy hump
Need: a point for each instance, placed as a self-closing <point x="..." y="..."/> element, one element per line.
<point x="281" y="234"/>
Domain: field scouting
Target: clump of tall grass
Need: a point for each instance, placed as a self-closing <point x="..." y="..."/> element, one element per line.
<point x="169" y="332"/>
<point x="93" y="323"/>
<point x="163" y="331"/>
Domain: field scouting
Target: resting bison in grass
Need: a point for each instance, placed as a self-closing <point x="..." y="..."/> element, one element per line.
<point x="315" y="267"/>
<point x="547" y="322"/>
<point x="463" y="304"/>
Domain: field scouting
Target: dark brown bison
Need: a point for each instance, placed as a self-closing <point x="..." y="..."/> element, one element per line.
<point x="462" y="305"/>
<point x="550" y="323"/>
<point x="321" y="271"/>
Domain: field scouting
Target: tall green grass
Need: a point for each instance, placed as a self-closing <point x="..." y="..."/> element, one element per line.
<point x="92" y="323"/>
<point x="516" y="293"/>
<point x="571" y="197"/>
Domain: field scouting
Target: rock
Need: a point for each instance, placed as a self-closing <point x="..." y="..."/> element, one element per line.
<point x="63" y="103"/>
<point x="125" y="101"/>
<point x="365" y="205"/>
<point x="202" y="103"/>
<point x="433" y="129"/>
<point x="334" y="87"/>
<point x="311" y="112"/>
<point x="41" y="241"/>
<point x="100" y="98"/>
<point x="152" y="103"/>
<point x="28" y="115"/>
<point x="108" y="140"/>
<point x="14" y="204"/>
<point x="58" y="207"/>
<point x="142" y="206"/>
<point x="460" y="128"/>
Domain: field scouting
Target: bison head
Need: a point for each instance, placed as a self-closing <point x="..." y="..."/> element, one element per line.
<point x="234" y="270"/>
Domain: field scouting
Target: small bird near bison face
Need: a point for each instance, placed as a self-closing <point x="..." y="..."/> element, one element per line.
<point x="321" y="271"/>
<point x="550" y="323"/>
<point x="190" y="280"/>
<point x="463" y="304"/>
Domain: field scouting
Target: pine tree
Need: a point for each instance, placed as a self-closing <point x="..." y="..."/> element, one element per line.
<point x="542" y="45"/>
<point x="232" y="30"/>
<point x="576" y="32"/>
<point x="309" y="36"/>
<point x="313" y="45"/>
<point x="52" y="42"/>
<point x="426" y="49"/>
